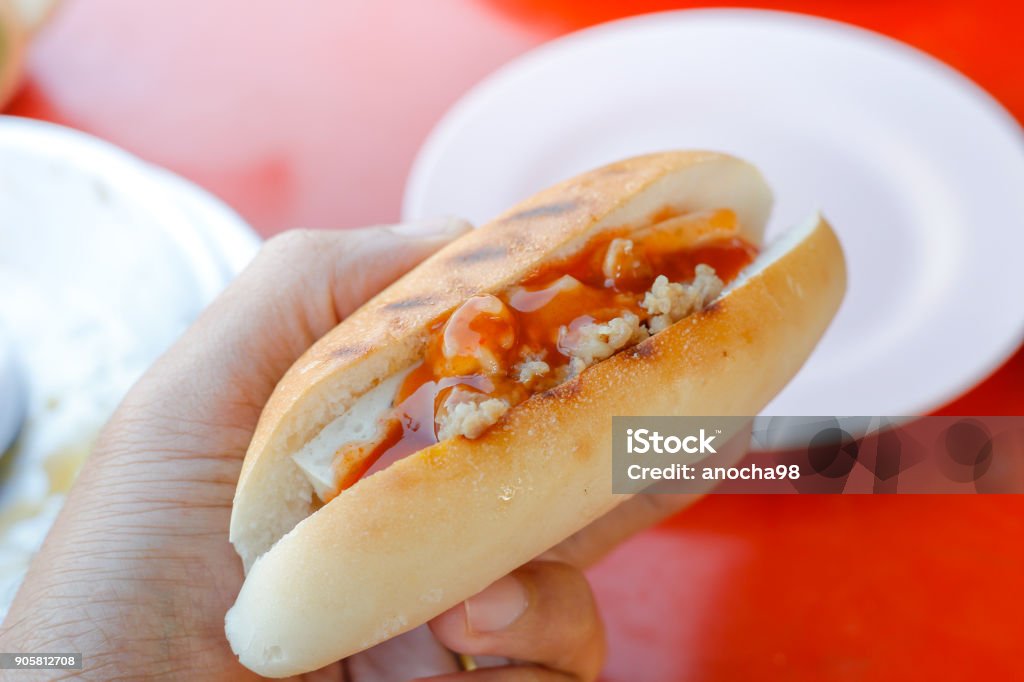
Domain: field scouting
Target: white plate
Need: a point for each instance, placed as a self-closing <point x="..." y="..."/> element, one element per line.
<point x="104" y="260"/>
<point x="921" y="172"/>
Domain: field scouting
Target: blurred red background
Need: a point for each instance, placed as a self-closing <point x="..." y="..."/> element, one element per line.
<point x="310" y="114"/>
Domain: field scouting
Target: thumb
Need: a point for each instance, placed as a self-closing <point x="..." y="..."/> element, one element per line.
<point x="369" y="259"/>
<point x="304" y="282"/>
<point x="300" y="285"/>
<point x="317" y="278"/>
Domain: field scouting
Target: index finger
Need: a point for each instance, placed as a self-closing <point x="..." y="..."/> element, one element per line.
<point x="542" y="614"/>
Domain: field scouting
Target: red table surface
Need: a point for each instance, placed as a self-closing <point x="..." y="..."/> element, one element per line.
<point x="309" y="114"/>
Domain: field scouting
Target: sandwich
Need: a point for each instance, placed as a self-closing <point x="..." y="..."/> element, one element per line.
<point x="459" y="424"/>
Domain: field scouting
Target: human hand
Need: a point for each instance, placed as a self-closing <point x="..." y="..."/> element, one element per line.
<point x="137" y="571"/>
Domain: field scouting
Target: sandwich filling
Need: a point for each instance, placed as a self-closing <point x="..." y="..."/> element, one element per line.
<point x="496" y="350"/>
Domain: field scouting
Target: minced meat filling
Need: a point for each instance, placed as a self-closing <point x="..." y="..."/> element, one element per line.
<point x="543" y="335"/>
<point x="597" y="341"/>
<point x="531" y="369"/>
<point x="578" y="345"/>
<point x="496" y="350"/>
<point x="468" y="414"/>
<point x="668" y="302"/>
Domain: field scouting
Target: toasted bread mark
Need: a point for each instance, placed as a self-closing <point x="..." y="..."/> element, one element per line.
<point x="411" y="302"/>
<point x="642" y="351"/>
<point x="545" y="210"/>
<point x="482" y="254"/>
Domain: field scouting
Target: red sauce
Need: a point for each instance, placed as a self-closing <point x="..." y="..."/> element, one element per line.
<point x="477" y="347"/>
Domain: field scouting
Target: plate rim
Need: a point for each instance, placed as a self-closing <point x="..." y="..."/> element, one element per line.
<point x="439" y="139"/>
<point x="449" y="123"/>
<point x="229" y="240"/>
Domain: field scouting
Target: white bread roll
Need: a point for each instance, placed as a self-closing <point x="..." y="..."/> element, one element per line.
<point x="401" y="546"/>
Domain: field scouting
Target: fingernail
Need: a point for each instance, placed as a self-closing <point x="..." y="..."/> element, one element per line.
<point x="497" y="607"/>
<point x="431" y="228"/>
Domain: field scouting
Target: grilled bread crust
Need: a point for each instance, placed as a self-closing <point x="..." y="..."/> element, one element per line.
<point x="403" y="545"/>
